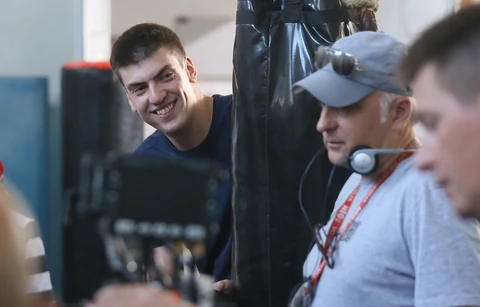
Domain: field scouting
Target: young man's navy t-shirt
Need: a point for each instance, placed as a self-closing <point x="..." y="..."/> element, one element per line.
<point x="216" y="147"/>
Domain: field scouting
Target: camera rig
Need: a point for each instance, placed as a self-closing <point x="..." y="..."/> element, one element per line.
<point x="142" y="203"/>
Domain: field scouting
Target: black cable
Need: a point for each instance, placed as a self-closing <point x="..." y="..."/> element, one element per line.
<point x="325" y="199"/>
<point x="300" y="188"/>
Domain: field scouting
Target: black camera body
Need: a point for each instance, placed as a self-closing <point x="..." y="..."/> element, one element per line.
<point x="125" y="207"/>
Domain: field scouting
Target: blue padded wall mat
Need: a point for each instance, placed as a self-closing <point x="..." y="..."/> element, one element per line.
<point x="24" y="140"/>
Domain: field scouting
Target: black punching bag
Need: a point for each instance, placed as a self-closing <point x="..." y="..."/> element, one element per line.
<point x="96" y="119"/>
<point x="274" y="138"/>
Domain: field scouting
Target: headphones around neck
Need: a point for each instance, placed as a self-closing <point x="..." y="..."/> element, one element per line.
<point x="364" y="159"/>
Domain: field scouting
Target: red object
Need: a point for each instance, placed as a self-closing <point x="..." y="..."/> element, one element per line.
<point x="1" y="169"/>
<point x="86" y="65"/>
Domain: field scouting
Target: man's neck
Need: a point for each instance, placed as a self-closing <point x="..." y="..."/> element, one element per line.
<point x="388" y="160"/>
<point x="198" y="128"/>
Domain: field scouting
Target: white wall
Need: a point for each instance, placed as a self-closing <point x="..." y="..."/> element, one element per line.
<point x="38" y="37"/>
<point x="96" y="30"/>
<point x="404" y="19"/>
<point x="213" y="53"/>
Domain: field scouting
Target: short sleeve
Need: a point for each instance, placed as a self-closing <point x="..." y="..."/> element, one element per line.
<point x="445" y="251"/>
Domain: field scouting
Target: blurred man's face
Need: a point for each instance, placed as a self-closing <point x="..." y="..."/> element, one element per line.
<point x="451" y="146"/>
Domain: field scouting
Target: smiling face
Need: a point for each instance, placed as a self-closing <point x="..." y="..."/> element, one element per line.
<point x="160" y="89"/>
<point x="451" y="148"/>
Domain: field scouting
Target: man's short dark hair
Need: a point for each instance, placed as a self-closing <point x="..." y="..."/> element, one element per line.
<point x="452" y="45"/>
<point x="140" y="42"/>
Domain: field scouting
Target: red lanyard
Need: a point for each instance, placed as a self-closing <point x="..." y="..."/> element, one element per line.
<point x="342" y="213"/>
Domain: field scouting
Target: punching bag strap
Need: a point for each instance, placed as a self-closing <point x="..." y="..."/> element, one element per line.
<point x="291" y="10"/>
<point x="292" y="13"/>
<point x="257" y="18"/>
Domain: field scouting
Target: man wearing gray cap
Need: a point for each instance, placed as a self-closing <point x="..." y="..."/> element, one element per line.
<point x="393" y="239"/>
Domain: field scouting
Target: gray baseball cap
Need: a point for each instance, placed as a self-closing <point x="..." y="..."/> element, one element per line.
<point x="377" y="55"/>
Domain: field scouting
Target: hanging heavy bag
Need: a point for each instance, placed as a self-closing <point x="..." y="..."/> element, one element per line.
<point x="274" y="138"/>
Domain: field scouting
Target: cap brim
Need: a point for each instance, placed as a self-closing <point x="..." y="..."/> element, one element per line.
<point x="332" y="89"/>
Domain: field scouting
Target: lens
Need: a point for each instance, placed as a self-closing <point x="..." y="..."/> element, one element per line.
<point x="343" y="64"/>
<point x="322" y="57"/>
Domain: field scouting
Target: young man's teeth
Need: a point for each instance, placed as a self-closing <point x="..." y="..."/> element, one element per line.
<point x="165" y="110"/>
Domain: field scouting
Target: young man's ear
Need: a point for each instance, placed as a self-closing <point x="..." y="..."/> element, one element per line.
<point x="402" y="112"/>
<point x="191" y="70"/>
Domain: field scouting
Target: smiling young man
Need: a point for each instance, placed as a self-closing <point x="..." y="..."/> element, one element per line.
<point x="160" y="81"/>
<point x="443" y="69"/>
<point x="393" y="239"/>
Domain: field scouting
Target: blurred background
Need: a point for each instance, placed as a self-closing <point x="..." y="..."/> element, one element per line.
<point x="40" y="38"/>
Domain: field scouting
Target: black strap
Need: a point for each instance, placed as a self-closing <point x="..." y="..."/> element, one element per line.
<point x="291" y="11"/>
<point x="292" y="2"/>
<point x="291" y="14"/>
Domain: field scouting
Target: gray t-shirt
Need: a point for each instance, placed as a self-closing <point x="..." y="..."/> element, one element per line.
<point x="407" y="247"/>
